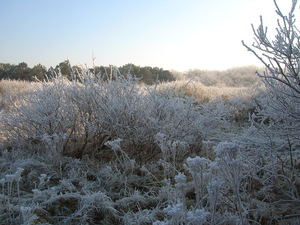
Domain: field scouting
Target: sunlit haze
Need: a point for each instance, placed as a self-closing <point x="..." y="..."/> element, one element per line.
<point x="171" y="34"/>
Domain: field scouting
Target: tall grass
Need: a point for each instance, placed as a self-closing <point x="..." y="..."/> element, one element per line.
<point x="208" y="93"/>
<point x="15" y="89"/>
<point x="244" y="76"/>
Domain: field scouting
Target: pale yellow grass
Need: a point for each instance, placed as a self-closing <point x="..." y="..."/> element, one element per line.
<point x="209" y="93"/>
<point x="15" y="89"/>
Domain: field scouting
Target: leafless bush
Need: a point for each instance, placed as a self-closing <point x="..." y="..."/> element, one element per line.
<point x="276" y="124"/>
<point x="77" y="117"/>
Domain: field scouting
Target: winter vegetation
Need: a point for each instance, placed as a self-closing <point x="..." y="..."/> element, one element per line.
<point x="243" y="76"/>
<point x="104" y="148"/>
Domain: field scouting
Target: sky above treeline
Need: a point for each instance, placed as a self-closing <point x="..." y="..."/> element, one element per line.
<point x="170" y="34"/>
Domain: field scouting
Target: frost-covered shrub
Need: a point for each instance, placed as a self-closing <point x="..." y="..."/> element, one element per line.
<point x="281" y="77"/>
<point x="273" y="140"/>
<point x="44" y="116"/>
<point x="77" y="117"/>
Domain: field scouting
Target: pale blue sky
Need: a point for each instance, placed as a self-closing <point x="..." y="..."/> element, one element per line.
<point x="172" y="34"/>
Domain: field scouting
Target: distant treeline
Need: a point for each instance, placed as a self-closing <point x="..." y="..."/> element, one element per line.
<point x="21" y="71"/>
<point x="234" y="77"/>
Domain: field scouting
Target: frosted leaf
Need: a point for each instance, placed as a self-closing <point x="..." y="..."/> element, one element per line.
<point x="215" y="184"/>
<point x="2" y="181"/>
<point x="160" y="137"/>
<point x="229" y="149"/>
<point x="195" y="165"/>
<point x="197" y="217"/>
<point x="42" y="176"/>
<point x="174" y="211"/>
<point x="10" y="177"/>
<point x="36" y="192"/>
<point x="180" y="178"/>
<point x="115" y="144"/>
<point x="25" y="209"/>
<point x="197" y="161"/>
<point x="19" y="171"/>
<point x="144" y="169"/>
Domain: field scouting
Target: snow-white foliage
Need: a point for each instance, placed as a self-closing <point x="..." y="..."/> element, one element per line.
<point x="197" y="167"/>
<point x="181" y="187"/>
<point x="273" y="140"/>
<point x="107" y="150"/>
<point x="281" y="77"/>
<point x="199" y="216"/>
<point x="79" y="116"/>
<point x="171" y="152"/>
<point x="214" y="191"/>
<point x="231" y="167"/>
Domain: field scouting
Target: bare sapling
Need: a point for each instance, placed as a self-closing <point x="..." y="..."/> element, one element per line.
<point x="278" y="117"/>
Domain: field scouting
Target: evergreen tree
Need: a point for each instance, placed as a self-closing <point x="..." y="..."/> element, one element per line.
<point x="4" y="70"/>
<point x="22" y="72"/>
<point x="39" y="71"/>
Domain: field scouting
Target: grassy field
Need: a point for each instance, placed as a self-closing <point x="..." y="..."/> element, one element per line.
<point x="91" y="151"/>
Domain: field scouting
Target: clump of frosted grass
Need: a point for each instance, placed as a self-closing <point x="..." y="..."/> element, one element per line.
<point x="180" y="185"/>
<point x="214" y="188"/>
<point x="171" y="151"/>
<point x="124" y="160"/>
<point x="210" y="93"/>
<point x="198" y="217"/>
<point x="12" y="90"/>
<point x="231" y="167"/>
<point x="197" y="167"/>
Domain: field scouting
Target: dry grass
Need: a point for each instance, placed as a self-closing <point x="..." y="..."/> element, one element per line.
<point x="209" y="93"/>
<point x="244" y="76"/>
<point x="15" y="89"/>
